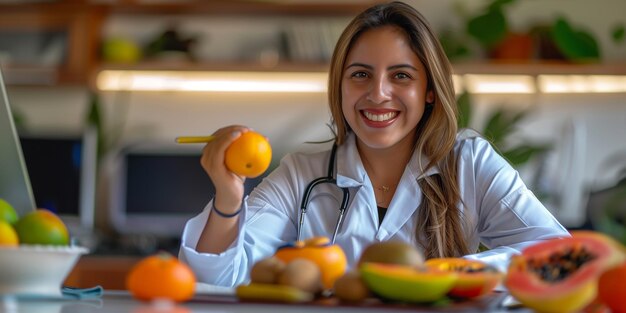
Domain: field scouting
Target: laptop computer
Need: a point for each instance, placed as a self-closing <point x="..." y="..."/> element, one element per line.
<point x="15" y="185"/>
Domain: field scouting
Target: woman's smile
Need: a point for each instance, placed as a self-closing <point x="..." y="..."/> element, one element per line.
<point x="379" y="118"/>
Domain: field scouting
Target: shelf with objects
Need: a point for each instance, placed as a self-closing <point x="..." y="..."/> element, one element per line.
<point x="65" y="42"/>
<point x="48" y="43"/>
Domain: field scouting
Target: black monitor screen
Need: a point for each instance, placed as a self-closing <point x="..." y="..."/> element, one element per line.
<point x="169" y="184"/>
<point x="166" y="184"/>
<point x="54" y="167"/>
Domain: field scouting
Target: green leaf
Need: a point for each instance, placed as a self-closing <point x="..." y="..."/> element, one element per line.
<point x="521" y="154"/>
<point x="465" y="110"/>
<point x="499" y="4"/>
<point x="489" y="28"/>
<point x="618" y="33"/>
<point x="576" y="45"/>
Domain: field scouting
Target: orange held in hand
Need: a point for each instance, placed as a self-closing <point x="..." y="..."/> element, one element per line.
<point x="249" y="155"/>
<point x="161" y="276"/>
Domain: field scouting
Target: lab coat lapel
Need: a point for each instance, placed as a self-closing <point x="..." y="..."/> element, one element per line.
<point x="351" y="173"/>
<point x="406" y="200"/>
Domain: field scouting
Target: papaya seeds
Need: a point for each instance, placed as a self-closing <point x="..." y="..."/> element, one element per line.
<point x="267" y="270"/>
<point x="351" y="288"/>
<point x="561" y="274"/>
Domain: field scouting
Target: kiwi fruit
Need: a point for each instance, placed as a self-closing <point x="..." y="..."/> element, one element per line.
<point x="302" y="274"/>
<point x="267" y="270"/>
<point x="392" y="252"/>
<point x="351" y="288"/>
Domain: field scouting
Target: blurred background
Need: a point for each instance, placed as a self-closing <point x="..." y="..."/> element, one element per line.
<point x="545" y="80"/>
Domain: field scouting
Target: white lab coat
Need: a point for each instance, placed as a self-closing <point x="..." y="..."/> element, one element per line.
<point x="499" y="211"/>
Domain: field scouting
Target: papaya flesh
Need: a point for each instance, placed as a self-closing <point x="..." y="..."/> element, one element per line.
<point x="475" y="278"/>
<point x="561" y="275"/>
<point x="405" y="283"/>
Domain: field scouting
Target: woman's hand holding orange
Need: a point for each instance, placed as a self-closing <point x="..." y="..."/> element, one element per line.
<point x="229" y="187"/>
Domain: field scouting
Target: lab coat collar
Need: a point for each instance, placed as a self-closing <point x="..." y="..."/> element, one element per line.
<point x="351" y="172"/>
<point x="408" y="196"/>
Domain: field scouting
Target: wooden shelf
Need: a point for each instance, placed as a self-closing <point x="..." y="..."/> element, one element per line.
<point x="222" y="66"/>
<point x="540" y="67"/>
<point x="240" y="7"/>
<point x="82" y="21"/>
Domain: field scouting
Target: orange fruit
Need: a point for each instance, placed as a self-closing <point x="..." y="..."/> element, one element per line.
<point x="161" y="276"/>
<point x="8" y="236"/>
<point x="330" y="259"/>
<point x="612" y="289"/>
<point x="249" y="155"/>
<point x="7" y="212"/>
<point x="42" y="227"/>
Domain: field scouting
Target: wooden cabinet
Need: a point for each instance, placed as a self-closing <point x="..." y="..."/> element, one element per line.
<point x="74" y="24"/>
<point x="106" y="271"/>
<point x="80" y="23"/>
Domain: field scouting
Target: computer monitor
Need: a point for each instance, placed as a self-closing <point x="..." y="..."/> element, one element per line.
<point x="62" y="172"/>
<point x="156" y="188"/>
<point x="14" y="182"/>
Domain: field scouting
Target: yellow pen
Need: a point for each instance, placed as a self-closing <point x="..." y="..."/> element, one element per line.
<point x="194" y="139"/>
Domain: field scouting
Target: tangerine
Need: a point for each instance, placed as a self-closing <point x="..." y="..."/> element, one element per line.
<point x="8" y="236"/>
<point x="330" y="258"/>
<point x="249" y="155"/>
<point x="7" y="212"/>
<point x="161" y="276"/>
<point x="42" y="227"/>
<point x="611" y="288"/>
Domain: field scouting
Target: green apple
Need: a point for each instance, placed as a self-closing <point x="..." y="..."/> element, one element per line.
<point x="7" y="212"/>
<point x="42" y="227"/>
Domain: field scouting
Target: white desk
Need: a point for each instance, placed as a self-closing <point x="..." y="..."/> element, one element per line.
<point x="122" y="302"/>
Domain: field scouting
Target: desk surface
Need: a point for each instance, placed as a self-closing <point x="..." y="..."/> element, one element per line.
<point x="122" y="302"/>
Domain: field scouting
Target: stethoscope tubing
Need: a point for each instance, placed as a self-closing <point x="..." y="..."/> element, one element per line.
<point x="328" y="179"/>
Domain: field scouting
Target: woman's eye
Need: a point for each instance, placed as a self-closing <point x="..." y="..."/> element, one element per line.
<point x="359" y="75"/>
<point x="402" y="76"/>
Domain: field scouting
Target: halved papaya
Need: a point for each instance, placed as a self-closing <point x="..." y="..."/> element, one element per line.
<point x="561" y="275"/>
<point x="475" y="278"/>
<point x="406" y="283"/>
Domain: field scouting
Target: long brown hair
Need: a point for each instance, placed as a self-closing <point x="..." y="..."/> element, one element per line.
<point x="439" y="224"/>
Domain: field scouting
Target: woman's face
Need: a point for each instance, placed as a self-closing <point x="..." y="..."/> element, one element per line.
<point x="384" y="88"/>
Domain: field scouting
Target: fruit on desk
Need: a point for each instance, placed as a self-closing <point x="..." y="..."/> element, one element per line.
<point x="8" y="236"/>
<point x="330" y="258"/>
<point x="42" y="227"/>
<point x="350" y="287"/>
<point x="561" y="275"/>
<point x="392" y="252"/>
<point x="7" y="212"/>
<point x="249" y="155"/>
<point x="302" y="274"/>
<point x="475" y="278"/>
<point x="267" y="270"/>
<point x="612" y="288"/>
<point x="270" y="292"/>
<point x="161" y="276"/>
<point x="407" y="283"/>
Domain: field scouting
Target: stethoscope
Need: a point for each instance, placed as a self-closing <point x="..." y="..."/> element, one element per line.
<point x="328" y="179"/>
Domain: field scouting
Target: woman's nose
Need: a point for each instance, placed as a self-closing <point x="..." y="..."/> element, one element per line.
<point x="379" y="91"/>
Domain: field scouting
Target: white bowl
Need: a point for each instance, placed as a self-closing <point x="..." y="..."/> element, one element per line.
<point x="35" y="270"/>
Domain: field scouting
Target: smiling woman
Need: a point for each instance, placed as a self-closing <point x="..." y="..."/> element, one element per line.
<point x="399" y="168"/>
